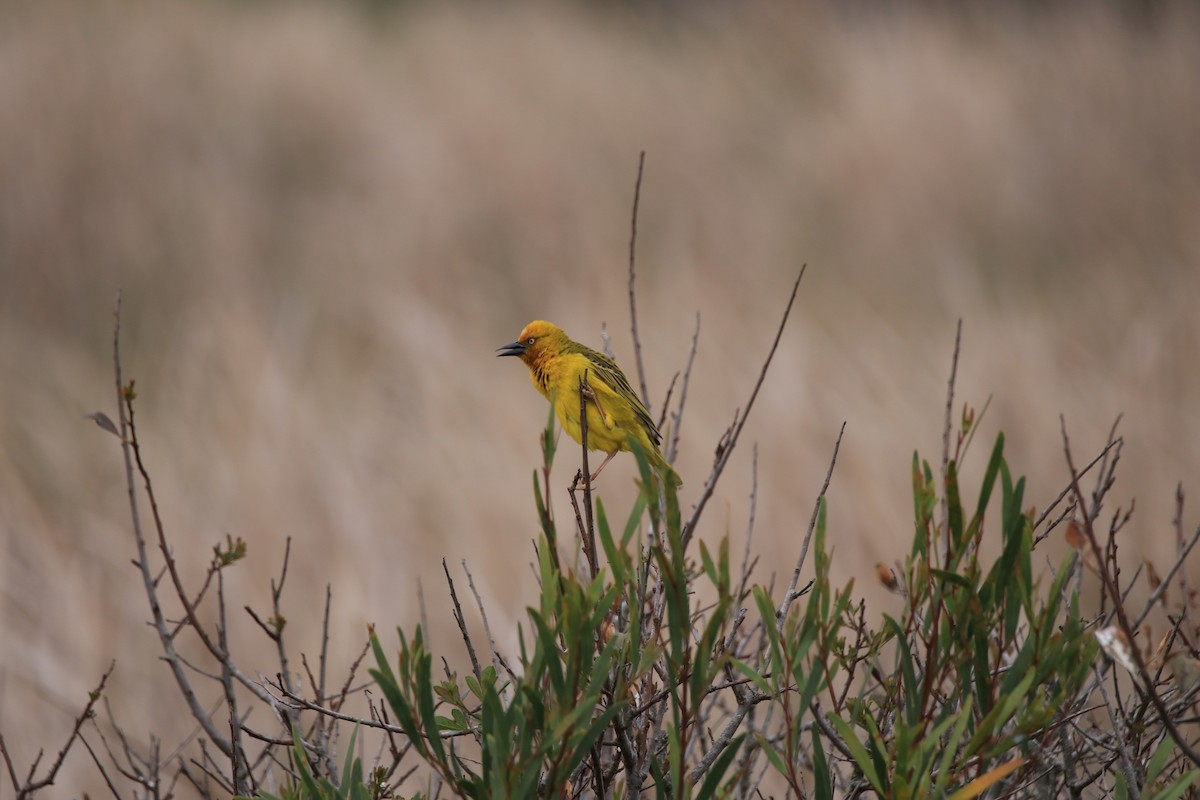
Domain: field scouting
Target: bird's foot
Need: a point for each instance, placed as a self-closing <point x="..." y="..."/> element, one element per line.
<point x="605" y="418"/>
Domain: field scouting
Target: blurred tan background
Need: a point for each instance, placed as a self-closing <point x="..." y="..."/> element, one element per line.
<point x="326" y="217"/>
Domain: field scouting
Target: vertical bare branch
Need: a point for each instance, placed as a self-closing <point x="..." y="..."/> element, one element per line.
<point x="790" y="595"/>
<point x="238" y="754"/>
<point x="745" y="571"/>
<point x="666" y="406"/>
<point x="586" y="529"/>
<point x="729" y="441"/>
<point x="487" y="629"/>
<point x="677" y="417"/>
<point x="462" y="624"/>
<point x="637" y="342"/>
<point x="276" y="594"/>
<point x="166" y="640"/>
<point x="324" y="661"/>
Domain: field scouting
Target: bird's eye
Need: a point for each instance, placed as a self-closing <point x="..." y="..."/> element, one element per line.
<point x="530" y="340"/>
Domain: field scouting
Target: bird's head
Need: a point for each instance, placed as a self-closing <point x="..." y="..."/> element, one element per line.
<point x="536" y="339"/>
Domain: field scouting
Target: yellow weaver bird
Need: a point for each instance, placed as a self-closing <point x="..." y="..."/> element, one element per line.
<point x="614" y="413"/>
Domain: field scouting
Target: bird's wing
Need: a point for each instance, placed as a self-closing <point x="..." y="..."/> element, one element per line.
<point x="607" y="370"/>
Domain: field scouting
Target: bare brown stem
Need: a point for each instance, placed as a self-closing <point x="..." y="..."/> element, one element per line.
<point x="1118" y="606"/>
<point x="677" y="417"/>
<point x="729" y="441"/>
<point x="637" y="342"/>
<point x="462" y="624"/>
<point x="791" y="593"/>
<point x="30" y="785"/>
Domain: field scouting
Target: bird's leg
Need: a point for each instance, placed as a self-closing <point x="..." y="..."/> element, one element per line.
<point x="596" y="474"/>
<point x="605" y="418"/>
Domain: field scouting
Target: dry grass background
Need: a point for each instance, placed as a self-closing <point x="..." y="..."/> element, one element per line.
<point x="324" y="222"/>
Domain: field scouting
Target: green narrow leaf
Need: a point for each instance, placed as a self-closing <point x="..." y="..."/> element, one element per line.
<point x="748" y="671"/>
<point x="724" y="585"/>
<point x="549" y="444"/>
<point x="1120" y="791"/>
<point x="951" y="577"/>
<point x="582" y="744"/>
<point x="351" y="776"/>
<point x="545" y="654"/>
<point x="1181" y="785"/>
<point x="864" y="761"/>
<point x="954" y="507"/>
<point x="709" y="566"/>
<point x="386" y="680"/>
<point x="925" y="747"/>
<point x="989" y="476"/>
<point x="1049" y="615"/>
<point x="546" y="521"/>
<point x="635" y="519"/>
<point x="717" y="771"/>
<point x="921" y="520"/>
<point x="907" y="669"/>
<point x="878" y="751"/>
<point x="424" y="690"/>
<point x="772" y="754"/>
<point x="822" y="780"/>
<point x="766" y="610"/>
<point x="995" y="720"/>
<point x="618" y="560"/>
<point x="306" y="777"/>
<point x="983" y="694"/>
<point x="951" y="748"/>
<point x="643" y="463"/>
<point x="1159" y="759"/>
<point x="1018" y="669"/>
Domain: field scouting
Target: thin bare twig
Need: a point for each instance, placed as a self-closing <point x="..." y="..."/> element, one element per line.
<point x="276" y="593"/>
<point x="1117" y="717"/>
<point x="487" y="629"/>
<point x="166" y="638"/>
<point x="587" y="532"/>
<point x="1066" y="491"/>
<point x="1177" y="524"/>
<point x="31" y="785"/>
<point x="745" y="571"/>
<point x="1118" y="606"/>
<point x="677" y="417"/>
<point x="791" y="593"/>
<point x="100" y="766"/>
<point x="365" y="722"/>
<point x="238" y="756"/>
<point x="666" y="406"/>
<point x="729" y="441"/>
<point x="324" y="660"/>
<point x="1154" y="597"/>
<point x="725" y="737"/>
<point x="462" y="624"/>
<point x="637" y="342"/>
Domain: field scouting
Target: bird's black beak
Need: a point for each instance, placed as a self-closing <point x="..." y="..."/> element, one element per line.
<point x="514" y="349"/>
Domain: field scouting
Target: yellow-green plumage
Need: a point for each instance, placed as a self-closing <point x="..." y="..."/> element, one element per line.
<point x="556" y="365"/>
